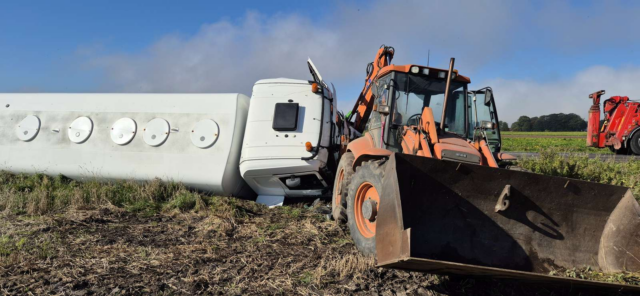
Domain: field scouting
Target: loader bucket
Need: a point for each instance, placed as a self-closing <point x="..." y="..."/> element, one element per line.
<point x="453" y="218"/>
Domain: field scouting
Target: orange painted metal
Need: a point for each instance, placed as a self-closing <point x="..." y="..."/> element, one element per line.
<point x="429" y="124"/>
<point x="364" y="105"/>
<point x="365" y="192"/>
<point x="363" y="149"/>
<point x="407" y="69"/>
<point x="505" y="156"/>
<point x="487" y="155"/>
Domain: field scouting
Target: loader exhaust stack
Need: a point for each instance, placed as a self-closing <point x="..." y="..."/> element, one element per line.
<point x="448" y="217"/>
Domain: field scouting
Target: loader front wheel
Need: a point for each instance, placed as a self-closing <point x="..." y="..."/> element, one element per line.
<point x="363" y="204"/>
<point x="341" y="187"/>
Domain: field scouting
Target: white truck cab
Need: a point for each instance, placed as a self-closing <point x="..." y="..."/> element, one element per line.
<point x="290" y="142"/>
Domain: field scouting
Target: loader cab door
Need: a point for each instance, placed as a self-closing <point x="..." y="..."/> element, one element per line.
<point x="482" y="108"/>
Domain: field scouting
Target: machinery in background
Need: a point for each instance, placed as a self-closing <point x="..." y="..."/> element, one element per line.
<point x="620" y="131"/>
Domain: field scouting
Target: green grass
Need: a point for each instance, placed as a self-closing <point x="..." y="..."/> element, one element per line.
<point x="551" y="163"/>
<point x="557" y="144"/>
<point x="584" y="134"/>
<point x="40" y="194"/>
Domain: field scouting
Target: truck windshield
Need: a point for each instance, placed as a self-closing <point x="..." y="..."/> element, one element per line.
<point x="414" y="92"/>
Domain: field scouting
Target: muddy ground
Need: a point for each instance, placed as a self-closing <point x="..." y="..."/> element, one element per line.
<point x="235" y="249"/>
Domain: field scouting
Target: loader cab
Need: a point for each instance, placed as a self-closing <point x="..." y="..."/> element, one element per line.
<point x="406" y="93"/>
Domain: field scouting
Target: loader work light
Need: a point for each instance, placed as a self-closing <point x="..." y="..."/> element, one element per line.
<point x="415" y="70"/>
<point x="425" y="71"/>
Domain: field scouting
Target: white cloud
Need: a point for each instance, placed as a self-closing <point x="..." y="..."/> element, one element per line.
<point x="230" y="56"/>
<point x="525" y="97"/>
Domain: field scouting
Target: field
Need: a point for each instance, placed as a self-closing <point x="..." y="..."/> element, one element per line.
<point x="558" y="141"/>
<point x="63" y="237"/>
<point x="582" y="135"/>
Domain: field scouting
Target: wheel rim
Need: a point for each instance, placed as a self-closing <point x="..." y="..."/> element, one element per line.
<point x="338" y="187"/>
<point x="365" y="192"/>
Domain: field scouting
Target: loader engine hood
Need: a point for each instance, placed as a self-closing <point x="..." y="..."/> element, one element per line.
<point x="451" y="147"/>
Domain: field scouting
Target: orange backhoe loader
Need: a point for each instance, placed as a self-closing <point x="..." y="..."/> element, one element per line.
<point x="424" y="188"/>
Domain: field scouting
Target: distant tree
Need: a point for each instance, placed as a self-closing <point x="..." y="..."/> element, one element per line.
<point x="576" y="123"/>
<point x="537" y="124"/>
<point x="504" y="127"/>
<point x="523" y="124"/>
<point x="552" y="122"/>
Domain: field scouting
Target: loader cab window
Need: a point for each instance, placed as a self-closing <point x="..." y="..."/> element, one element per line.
<point x="485" y="111"/>
<point x="413" y="92"/>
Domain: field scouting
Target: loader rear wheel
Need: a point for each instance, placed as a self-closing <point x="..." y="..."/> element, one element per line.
<point x="634" y="143"/>
<point x="363" y="204"/>
<point x="341" y="187"/>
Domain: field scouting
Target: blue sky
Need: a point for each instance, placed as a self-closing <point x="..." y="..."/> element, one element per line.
<point x="540" y="56"/>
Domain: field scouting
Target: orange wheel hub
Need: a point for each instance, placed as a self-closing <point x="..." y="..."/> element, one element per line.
<point x="366" y="203"/>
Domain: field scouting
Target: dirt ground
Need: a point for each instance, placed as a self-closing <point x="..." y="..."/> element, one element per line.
<point x="244" y="250"/>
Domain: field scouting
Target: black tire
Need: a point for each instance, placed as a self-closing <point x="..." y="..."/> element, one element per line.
<point x="371" y="172"/>
<point x="621" y="151"/>
<point x="634" y="143"/>
<point x="339" y="209"/>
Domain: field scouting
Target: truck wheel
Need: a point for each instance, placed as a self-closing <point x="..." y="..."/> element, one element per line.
<point x="362" y="205"/>
<point x="621" y="151"/>
<point x="341" y="187"/>
<point x="634" y="143"/>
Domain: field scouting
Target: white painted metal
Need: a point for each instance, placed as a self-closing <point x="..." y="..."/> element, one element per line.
<point x="80" y="130"/>
<point x="123" y="131"/>
<point x="204" y="133"/>
<point x="156" y="132"/>
<point x="213" y="169"/>
<point x="268" y="155"/>
<point x="28" y="128"/>
<point x="271" y="201"/>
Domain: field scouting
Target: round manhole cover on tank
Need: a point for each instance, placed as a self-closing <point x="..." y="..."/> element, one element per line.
<point x="28" y="128"/>
<point x="123" y="131"/>
<point x="80" y="129"/>
<point x="204" y="133"/>
<point x="156" y="132"/>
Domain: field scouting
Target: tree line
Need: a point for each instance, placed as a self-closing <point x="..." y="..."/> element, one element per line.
<point x="558" y="122"/>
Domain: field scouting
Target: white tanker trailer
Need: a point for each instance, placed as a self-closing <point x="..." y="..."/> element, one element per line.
<point x="286" y="134"/>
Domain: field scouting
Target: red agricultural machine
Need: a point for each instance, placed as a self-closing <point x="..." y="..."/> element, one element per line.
<point x="621" y="129"/>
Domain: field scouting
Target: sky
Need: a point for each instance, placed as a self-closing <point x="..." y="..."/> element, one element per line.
<point x="540" y="57"/>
